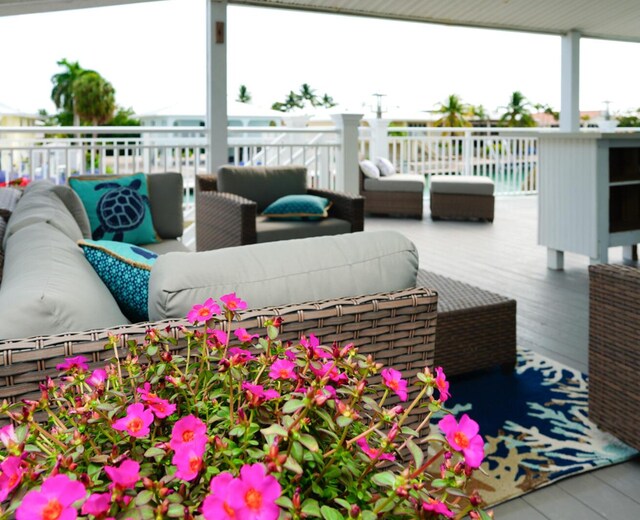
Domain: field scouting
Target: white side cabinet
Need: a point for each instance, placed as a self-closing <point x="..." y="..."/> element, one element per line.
<point x="589" y="194"/>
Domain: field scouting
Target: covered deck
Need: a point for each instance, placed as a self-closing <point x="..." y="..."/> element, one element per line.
<point x="552" y="319"/>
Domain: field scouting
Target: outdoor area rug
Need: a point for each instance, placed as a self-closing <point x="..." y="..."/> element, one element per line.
<point x="535" y="425"/>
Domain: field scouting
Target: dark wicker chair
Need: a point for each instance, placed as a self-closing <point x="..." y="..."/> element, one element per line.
<point x="614" y="350"/>
<point x="397" y="203"/>
<point x="230" y="219"/>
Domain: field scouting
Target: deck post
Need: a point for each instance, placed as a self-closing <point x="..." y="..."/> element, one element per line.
<point x="570" y="83"/>
<point x="555" y="259"/>
<point x="217" y="138"/>
<point x="347" y="162"/>
<point x="379" y="144"/>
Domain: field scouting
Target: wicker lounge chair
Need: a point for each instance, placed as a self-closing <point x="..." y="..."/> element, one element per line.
<point x="393" y="198"/>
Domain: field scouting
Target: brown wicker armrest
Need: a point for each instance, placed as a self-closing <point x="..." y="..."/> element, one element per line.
<point x="345" y="206"/>
<point x="224" y="220"/>
<point x="397" y="329"/>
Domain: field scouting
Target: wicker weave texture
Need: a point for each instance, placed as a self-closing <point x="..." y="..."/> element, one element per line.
<point x="446" y="205"/>
<point x="614" y="350"/>
<point x="476" y="328"/>
<point x="399" y="203"/>
<point x="397" y="329"/>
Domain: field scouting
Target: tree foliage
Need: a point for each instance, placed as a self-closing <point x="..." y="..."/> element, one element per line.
<point x="305" y="95"/>
<point x="243" y="95"/>
<point x="94" y="99"/>
<point x="517" y="113"/>
<point x="453" y="112"/>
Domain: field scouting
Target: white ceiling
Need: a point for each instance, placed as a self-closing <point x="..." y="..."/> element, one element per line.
<point x="608" y="19"/>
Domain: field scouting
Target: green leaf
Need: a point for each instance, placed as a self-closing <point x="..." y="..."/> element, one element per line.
<point x="144" y="497"/>
<point x="329" y="513"/>
<point x="293" y="406"/>
<point x="310" y="507"/>
<point x="439" y="483"/>
<point x="275" y="429"/>
<point x="384" y="479"/>
<point x="343" y="421"/>
<point x="175" y="511"/>
<point x="32" y="448"/>
<point x="308" y="441"/>
<point x="154" y="453"/>
<point x="285" y="502"/>
<point x="292" y="465"/>
<point x="272" y="332"/>
<point x="369" y="515"/>
<point x="343" y="503"/>
<point x="484" y="515"/>
<point x="416" y="452"/>
<point x="422" y="377"/>
<point x="152" y="350"/>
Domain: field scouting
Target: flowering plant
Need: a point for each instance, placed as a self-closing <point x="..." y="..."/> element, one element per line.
<point x="237" y="427"/>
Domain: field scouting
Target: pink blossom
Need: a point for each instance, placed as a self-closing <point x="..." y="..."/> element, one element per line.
<point x="12" y="472"/>
<point x="188" y="461"/>
<point x="464" y="437"/>
<point x="232" y="302"/>
<point x="372" y="453"/>
<point x="330" y="371"/>
<point x="244" y="336"/>
<point x="392" y="379"/>
<point x="215" y="505"/>
<point x="202" y="313"/>
<point x="313" y="347"/>
<point x="282" y="369"/>
<point x="437" y="507"/>
<point x="257" y="393"/>
<point x="189" y="432"/>
<point x="124" y="476"/>
<point x="442" y="384"/>
<point x="53" y="501"/>
<point x="239" y="356"/>
<point x="137" y="421"/>
<point x="161" y="408"/>
<point x="219" y="335"/>
<point x="256" y="498"/>
<point x="78" y="363"/>
<point x="97" y="377"/>
<point x="8" y="436"/>
<point x="97" y="504"/>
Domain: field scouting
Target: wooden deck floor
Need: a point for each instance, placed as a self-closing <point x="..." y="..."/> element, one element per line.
<point x="552" y="319"/>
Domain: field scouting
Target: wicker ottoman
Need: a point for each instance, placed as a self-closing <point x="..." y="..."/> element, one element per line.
<point x="476" y="328"/>
<point x="461" y="197"/>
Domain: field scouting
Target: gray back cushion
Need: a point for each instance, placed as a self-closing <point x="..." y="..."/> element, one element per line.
<point x="165" y="198"/>
<point x="73" y="203"/>
<point x="279" y="273"/>
<point x="8" y="200"/>
<point x="262" y="185"/>
<point x="48" y="287"/>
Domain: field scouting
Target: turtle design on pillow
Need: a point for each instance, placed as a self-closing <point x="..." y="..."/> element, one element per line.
<point x="120" y="209"/>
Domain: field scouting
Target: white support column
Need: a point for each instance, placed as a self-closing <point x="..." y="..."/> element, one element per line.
<point x="347" y="179"/>
<point x="379" y="144"/>
<point x="217" y="138"/>
<point x="570" y="83"/>
<point x="555" y="259"/>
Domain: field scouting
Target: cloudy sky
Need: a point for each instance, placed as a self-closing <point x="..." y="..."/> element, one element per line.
<point x="153" y="54"/>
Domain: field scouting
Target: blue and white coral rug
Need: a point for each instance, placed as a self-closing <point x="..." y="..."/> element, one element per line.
<point x="535" y="425"/>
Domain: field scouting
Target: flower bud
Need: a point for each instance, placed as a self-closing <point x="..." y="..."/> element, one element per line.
<point x="166" y="356"/>
<point x="296" y="499"/>
<point x="147" y="483"/>
<point x="354" y="512"/>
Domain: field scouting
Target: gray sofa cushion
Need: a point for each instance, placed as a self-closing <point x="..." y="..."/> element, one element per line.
<point x="73" y="203"/>
<point x="167" y="246"/>
<point x="48" y="287"/>
<point x="165" y="199"/>
<point x="269" y="230"/>
<point x="262" y="185"/>
<point x="462" y="185"/>
<point x="42" y="205"/>
<point x="279" y="273"/>
<point x="9" y="198"/>
<point x="406" y="182"/>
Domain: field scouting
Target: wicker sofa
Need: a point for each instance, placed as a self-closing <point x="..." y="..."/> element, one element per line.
<point x="399" y="194"/>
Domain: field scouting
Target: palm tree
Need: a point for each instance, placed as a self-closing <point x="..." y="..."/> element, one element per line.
<point x="94" y="98"/>
<point x="517" y="112"/>
<point x="479" y="113"/>
<point x="327" y="101"/>
<point x="243" y="95"/>
<point x="454" y="113"/>
<point x="308" y="94"/>
<point x="62" y="91"/>
<point x="292" y="101"/>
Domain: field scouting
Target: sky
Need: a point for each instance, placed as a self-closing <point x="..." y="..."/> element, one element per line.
<point x="154" y="55"/>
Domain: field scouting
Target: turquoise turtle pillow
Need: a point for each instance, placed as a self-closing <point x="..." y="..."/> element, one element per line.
<point x="125" y="270"/>
<point x="118" y="208"/>
<point x="296" y="207"/>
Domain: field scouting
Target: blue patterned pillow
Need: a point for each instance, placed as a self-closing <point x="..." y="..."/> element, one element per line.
<point x="125" y="270"/>
<point x="117" y="208"/>
<point x="296" y="207"/>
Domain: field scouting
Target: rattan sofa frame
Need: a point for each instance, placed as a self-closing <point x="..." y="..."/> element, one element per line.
<point x="400" y="203"/>
<point x="227" y="220"/>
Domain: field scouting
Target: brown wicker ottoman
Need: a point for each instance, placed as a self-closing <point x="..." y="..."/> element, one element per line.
<point x="614" y="350"/>
<point x="461" y="196"/>
<point x="476" y="328"/>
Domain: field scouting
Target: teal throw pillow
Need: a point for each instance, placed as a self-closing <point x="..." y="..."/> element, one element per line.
<point x="118" y="208"/>
<point x="296" y="207"/>
<point x="125" y="270"/>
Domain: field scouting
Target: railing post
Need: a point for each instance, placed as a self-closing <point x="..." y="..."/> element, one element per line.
<point x="379" y="145"/>
<point x="467" y="152"/>
<point x="347" y="164"/>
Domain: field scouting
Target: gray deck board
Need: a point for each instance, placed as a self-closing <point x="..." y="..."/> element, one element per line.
<point x="553" y="318"/>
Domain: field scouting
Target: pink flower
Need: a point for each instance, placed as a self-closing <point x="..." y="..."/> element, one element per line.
<point x="464" y="437"/>
<point x="282" y="369"/>
<point x="53" y="501"/>
<point x="79" y="363"/>
<point x="203" y="313"/>
<point x="215" y="505"/>
<point x="232" y="302"/>
<point x="137" y="421"/>
<point x="442" y="384"/>
<point x="189" y="432"/>
<point x="97" y="504"/>
<point x="12" y="472"/>
<point x="188" y="461"/>
<point x="257" y="393"/>
<point x="219" y="335"/>
<point x="125" y="476"/>
<point x="313" y="347"/>
<point x="393" y="380"/>
<point x="161" y="408"/>
<point x="8" y="436"/>
<point x="239" y="356"/>
<point x="244" y="336"/>
<point x="437" y="507"/>
<point x="329" y="370"/>
<point x="256" y="498"/>
<point x="97" y="378"/>
<point x="372" y="453"/>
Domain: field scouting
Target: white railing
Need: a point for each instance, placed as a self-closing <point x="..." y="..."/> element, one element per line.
<point x="508" y="157"/>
